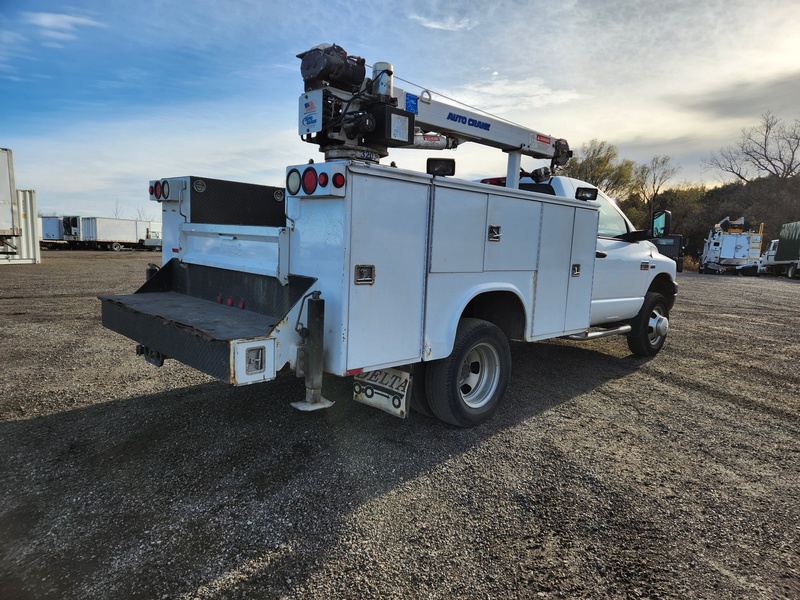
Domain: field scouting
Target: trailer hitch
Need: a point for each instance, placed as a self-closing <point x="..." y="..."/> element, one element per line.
<point x="151" y="356"/>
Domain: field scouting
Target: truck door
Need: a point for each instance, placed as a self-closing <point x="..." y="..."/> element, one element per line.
<point x="621" y="268"/>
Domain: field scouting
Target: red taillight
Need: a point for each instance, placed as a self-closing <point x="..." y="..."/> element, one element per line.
<point x="494" y="181"/>
<point x="160" y="189"/>
<point x="338" y="180"/>
<point x="309" y="180"/>
<point x="323" y="179"/>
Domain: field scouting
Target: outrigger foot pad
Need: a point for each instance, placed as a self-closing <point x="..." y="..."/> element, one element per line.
<point x="313" y="401"/>
<point x="309" y="406"/>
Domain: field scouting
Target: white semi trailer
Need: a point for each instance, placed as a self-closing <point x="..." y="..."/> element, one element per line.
<point x="19" y="225"/>
<point x="105" y="233"/>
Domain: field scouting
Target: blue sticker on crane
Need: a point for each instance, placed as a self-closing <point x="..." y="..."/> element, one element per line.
<point x="411" y="103"/>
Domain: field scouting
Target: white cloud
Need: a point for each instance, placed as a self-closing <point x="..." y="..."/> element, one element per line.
<point x="511" y="98"/>
<point x="56" y="27"/>
<point x="446" y="24"/>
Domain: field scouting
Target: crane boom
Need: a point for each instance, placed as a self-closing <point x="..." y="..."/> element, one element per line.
<point x="351" y="116"/>
<point x="467" y="125"/>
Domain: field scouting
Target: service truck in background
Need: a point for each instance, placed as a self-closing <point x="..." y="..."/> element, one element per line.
<point x="412" y="283"/>
<point x="783" y="255"/>
<point x="732" y="247"/>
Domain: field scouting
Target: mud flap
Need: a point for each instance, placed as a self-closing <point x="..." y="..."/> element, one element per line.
<point x="386" y="389"/>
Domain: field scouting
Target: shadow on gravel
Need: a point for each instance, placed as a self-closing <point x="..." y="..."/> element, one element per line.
<point x="210" y="490"/>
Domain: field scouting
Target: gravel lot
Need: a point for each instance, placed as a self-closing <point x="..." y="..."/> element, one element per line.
<point x="603" y="474"/>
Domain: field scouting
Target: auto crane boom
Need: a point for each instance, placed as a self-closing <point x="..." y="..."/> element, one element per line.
<point x="352" y="116"/>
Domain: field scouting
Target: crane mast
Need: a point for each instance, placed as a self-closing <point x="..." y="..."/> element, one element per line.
<point x="352" y="116"/>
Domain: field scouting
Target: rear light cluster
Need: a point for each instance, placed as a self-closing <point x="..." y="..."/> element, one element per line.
<point x="315" y="181"/>
<point x="160" y="189"/>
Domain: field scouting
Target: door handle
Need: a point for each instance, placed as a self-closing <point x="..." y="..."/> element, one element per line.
<point x="600" y="254"/>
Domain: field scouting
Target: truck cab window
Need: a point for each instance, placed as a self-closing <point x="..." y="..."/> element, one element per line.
<point x="612" y="222"/>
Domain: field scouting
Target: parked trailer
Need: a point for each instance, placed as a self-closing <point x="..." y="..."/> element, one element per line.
<point x="783" y="255"/>
<point x="51" y="233"/>
<point x="105" y="233"/>
<point x="19" y="227"/>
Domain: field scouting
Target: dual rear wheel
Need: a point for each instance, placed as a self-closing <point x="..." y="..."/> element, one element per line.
<point x="465" y="389"/>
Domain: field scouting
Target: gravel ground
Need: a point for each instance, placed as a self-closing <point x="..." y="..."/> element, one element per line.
<point x="602" y="475"/>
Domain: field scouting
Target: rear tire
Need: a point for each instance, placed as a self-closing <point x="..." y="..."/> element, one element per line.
<point x="466" y="388"/>
<point x="419" y="397"/>
<point x="116" y="246"/>
<point x="650" y="326"/>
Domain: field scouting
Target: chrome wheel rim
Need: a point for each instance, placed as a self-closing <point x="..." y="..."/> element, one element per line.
<point x="480" y="375"/>
<point x="657" y="326"/>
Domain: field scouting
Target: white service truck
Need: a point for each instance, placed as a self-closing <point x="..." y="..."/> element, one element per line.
<point x="413" y="283"/>
<point x="732" y="247"/>
<point x="783" y="255"/>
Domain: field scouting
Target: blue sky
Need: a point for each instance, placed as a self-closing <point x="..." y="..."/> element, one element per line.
<point x="98" y="97"/>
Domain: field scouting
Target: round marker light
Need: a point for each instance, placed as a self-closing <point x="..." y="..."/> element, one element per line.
<point x="165" y="189"/>
<point x="338" y="180"/>
<point x="323" y="179"/>
<point x="293" y="181"/>
<point x="309" y="181"/>
<point x="152" y="191"/>
<point x="157" y="190"/>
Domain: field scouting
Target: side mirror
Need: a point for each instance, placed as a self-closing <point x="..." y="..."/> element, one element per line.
<point x="442" y="167"/>
<point x="661" y="223"/>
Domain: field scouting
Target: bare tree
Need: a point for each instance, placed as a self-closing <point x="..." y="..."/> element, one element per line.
<point x="651" y="177"/>
<point x="770" y="148"/>
<point x="142" y="214"/>
<point x="117" y="213"/>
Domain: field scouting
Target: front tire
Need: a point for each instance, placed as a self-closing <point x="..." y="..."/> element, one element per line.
<point x="650" y="326"/>
<point x="791" y="271"/>
<point x="466" y="388"/>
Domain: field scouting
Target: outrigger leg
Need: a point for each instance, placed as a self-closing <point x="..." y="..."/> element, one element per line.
<point x="316" y="329"/>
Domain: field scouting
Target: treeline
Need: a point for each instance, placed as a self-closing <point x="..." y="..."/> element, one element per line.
<point x="764" y="165"/>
